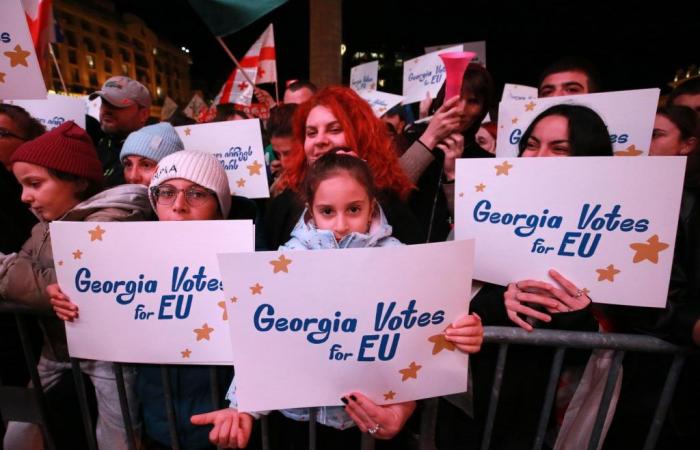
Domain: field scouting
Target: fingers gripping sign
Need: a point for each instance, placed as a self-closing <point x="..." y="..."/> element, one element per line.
<point x="231" y="428"/>
<point x="382" y="422"/>
<point x="62" y="306"/>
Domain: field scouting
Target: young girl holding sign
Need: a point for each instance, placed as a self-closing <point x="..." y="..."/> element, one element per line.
<point x="341" y="212"/>
<point x="61" y="179"/>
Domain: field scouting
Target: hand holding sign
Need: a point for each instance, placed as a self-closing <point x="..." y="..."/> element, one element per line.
<point x="382" y="422"/>
<point x="231" y="428"/>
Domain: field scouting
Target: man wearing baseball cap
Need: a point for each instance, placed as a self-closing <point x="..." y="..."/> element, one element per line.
<point x="125" y="108"/>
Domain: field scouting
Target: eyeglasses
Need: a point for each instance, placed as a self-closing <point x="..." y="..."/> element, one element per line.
<point x="194" y="196"/>
<point x="4" y="133"/>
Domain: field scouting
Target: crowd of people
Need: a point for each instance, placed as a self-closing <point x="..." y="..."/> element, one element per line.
<point x="340" y="178"/>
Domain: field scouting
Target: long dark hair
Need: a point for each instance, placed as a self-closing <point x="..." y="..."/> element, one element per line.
<point x="588" y="134"/>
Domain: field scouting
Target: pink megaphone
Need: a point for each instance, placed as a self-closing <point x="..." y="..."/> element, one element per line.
<point x="455" y="65"/>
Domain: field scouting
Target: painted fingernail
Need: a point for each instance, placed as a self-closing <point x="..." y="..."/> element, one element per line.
<point x="354" y="399"/>
<point x="344" y="400"/>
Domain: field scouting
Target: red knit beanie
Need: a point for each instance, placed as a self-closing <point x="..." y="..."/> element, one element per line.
<point x="67" y="148"/>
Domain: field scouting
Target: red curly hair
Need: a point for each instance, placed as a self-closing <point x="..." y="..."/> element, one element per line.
<point x="364" y="133"/>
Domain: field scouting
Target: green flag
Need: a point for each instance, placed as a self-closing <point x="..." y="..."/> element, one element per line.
<point x="228" y="16"/>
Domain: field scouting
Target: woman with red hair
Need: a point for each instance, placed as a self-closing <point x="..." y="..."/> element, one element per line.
<point x="336" y="117"/>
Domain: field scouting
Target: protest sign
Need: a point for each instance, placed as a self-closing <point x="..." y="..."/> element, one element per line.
<point x="237" y="144"/>
<point x="629" y="116"/>
<point x="375" y="326"/>
<point x="148" y="292"/>
<point x="365" y="76"/>
<point x="54" y="110"/>
<point x="424" y="75"/>
<point x="518" y="92"/>
<point x="607" y="224"/>
<point x="20" y="74"/>
<point x="381" y="102"/>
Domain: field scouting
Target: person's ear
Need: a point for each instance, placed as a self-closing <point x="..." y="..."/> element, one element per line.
<point x="688" y="145"/>
<point x="144" y="113"/>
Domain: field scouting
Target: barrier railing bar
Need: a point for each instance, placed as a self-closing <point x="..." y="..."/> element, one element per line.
<point x="664" y="402"/>
<point x="169" y="407"/>
<point x="495" y="393"/>
<point x="554" y="373"/>
<point x="312" y="428"/>
<point x="82" y="399"/>
<point x="265" y="432"/>
<point x="426" y="439"/>
<point x="216" y="400"/>
<point x="605" y="400"/>
<point x="367" y="442"/>
<point x="124" y="405"/>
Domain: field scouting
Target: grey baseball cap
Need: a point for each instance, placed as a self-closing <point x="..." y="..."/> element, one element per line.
<point x="122" y="92"/>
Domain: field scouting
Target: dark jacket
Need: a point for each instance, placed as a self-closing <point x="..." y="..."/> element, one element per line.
<point x="16" y="220"/>
<point x="108" y="150"/>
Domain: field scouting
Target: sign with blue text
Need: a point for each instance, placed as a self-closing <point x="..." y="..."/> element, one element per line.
<point x="607" y="224"/>
<point x="54" y="110"/>
<point x="381" y="102"/>
<point x="629" y="116"/>
<point x="424" y="75"/>
<point x="20" y="74"/>
<point x="518" y="92"/>
<point x="238" y="146"/>
<point x="148" y="292"/>
<point x="376" y="326"/>
<point x="365" y="76"/>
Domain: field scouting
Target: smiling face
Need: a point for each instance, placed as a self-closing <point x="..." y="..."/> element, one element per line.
<point x="550" y="137"/>
<point x="323" y="132"/>
<point x="174" y="204"/>
<point x="48" y="196"/>
<point x="138" y="170"/>
<point x="342" y="205"/>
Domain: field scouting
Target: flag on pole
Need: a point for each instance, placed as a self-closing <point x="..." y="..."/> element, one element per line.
<point x="228" y="16"/>
<point x="169" y="107"/>
<point x="39" y="14"/>
<point x="195" y="106"/>
<point x="259" y="64"/>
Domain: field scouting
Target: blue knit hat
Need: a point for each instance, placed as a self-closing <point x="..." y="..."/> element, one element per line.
<point x="153" y="142"/>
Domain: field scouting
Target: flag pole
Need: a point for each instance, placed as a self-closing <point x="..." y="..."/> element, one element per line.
<point x="277" y="92"/>
<point x="233" y="58"/>
<point x="58" y="69"/>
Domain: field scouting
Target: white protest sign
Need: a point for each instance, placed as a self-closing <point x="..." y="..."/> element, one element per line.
<point x="93" y="106"/>
<point x="607" y="224"/>
<point x="20" y="74"/>
<point x="365" y="76"/>
<point x="478" y="47"/>
<point x="381" y="102"/>
<point x="375" y="326"/>
<point x="424" y="74"/>
<point x="237" y="144"/>
<point x="148" y="292"/>
<point x="54" y="110"/>
<point x="629" y="116"/>
<point x="518" y="92"/>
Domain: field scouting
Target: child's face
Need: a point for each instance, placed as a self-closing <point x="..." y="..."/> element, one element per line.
<point x="342" y="205"/>
<point x="138" y="170"/>
<point x="47" y="195"/>
<point x="323" y="132"/>
<point x="173" y="203"/>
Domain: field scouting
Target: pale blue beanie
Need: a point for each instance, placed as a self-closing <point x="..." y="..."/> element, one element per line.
<point x="153" y="142"/>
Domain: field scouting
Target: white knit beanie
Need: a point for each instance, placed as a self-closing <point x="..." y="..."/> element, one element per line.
<point x="198" y="167"/>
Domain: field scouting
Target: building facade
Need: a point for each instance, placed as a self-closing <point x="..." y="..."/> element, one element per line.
<point x="98" y="43"/>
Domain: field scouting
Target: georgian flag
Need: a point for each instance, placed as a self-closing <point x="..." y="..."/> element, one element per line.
<point x="39" y="14"/>
<point x="259" y="64"/>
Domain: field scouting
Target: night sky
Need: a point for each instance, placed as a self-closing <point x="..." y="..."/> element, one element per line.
<point x="633" y="46"/>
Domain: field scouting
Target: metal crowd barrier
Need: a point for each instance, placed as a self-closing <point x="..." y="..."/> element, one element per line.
<point x="33" y="407"/>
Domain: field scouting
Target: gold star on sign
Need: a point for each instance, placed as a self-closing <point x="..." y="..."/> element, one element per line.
<point x="77" y="254"/>
<point x="241" y="182"/>
<point x="514" y="120"/>
<point x="186" y="353"/>
<point x="530" y="106"/>
<point x="608" y="273"/>
<point x="233" y="299"/>
<point x="223" y="306"/>
<point x="60" y="263"/>
<point x="257" y="289"/>
<point x="480" y="187"/>
<point x="649" y="251"/>
<point x="96" y="234"/>
<point x="280" y="264"/>
<point x="585" y="291"/>
<point x="389" y="395"/>
<point x="440" y="343"/>
<point x="461" y="194"/>
<point x="503" y="168"/>
<point x="254" y="169"/>
<point x="18" y="57"/>
<point x="629" y="151"/>
<point x="187" y="131"/>
<point x="2" y="77"/>
<point x="204" y="332"/>
<point x="410" y="372"/>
